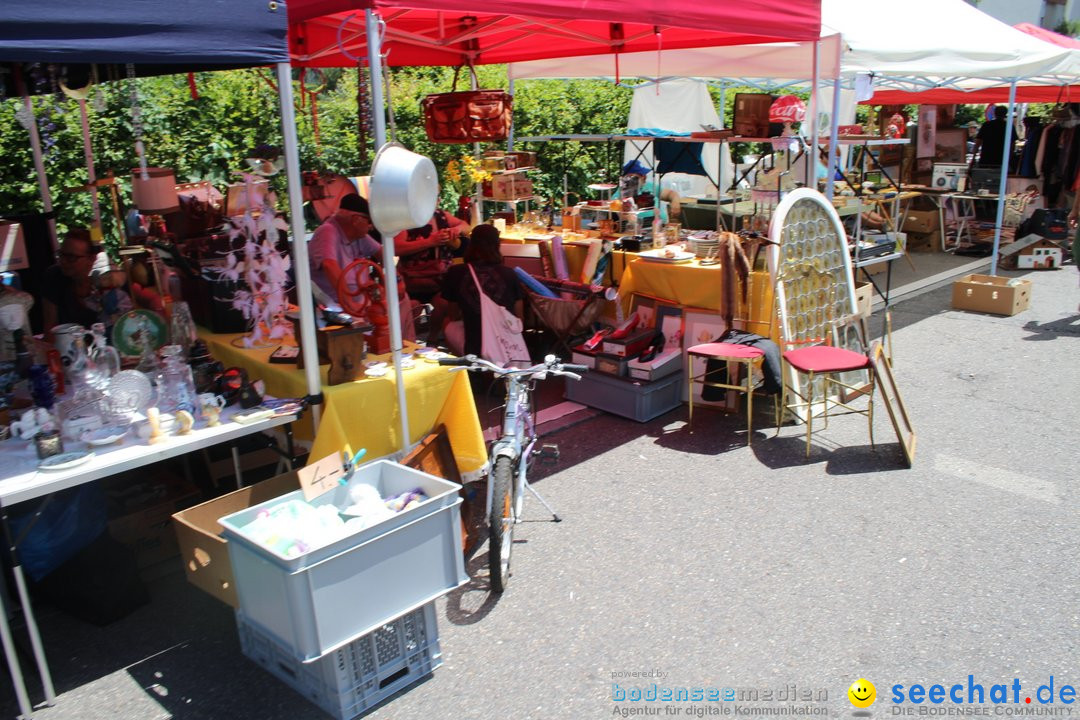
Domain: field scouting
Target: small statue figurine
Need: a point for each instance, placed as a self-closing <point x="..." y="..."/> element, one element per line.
<point x="184" y="421"/>
<point x="153" y="419"/>
<point x="212" y="415"/>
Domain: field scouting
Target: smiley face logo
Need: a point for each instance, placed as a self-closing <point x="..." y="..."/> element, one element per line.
<point x="862" y="693"/>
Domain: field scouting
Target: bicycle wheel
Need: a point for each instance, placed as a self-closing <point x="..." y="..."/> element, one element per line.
<point x="501" y="523"/>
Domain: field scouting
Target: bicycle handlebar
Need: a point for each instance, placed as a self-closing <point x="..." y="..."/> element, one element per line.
<point x="551" y="364"/>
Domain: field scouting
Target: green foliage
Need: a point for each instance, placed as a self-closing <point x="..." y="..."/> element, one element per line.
<point x="207" y="138"/>
<point x="1071" y="28"/>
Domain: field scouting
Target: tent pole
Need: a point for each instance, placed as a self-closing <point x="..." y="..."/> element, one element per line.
<point x="301" y="270"/>
<point x="510" y="137"/>
<point x="91" y="175"/>
<point x="723" y="101"/>
<point x="39" y="160"/>
<point x="834" y="131"/>
<point x="393" y="304"/>
<point x="811" y="116"/>
<point x="1004" y="180"/>
<point x="374" y="52"/>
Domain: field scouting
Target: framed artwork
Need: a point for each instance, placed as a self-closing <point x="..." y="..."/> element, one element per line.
<point x="927" y="131"/>
<point x="950" y="145"/>
<point x="852" y="335"/>
<point x="669" y="320"/>
<point x="645" y="308"/>
<point x="890" y="395"/>
<point x="703" y="327"/>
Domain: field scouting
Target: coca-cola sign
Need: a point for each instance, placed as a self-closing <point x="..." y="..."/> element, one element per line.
<point x="787" y="109"/>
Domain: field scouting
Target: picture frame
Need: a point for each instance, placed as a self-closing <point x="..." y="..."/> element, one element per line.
<point x="645" y="308"/>
<point x="851" y="334"/>
<point x="701" y="327"/>
<point x="894" y="404"/>
<point x="669" y="320"/>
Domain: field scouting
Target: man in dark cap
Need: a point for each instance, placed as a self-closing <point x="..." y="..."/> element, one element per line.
<point x="344" y="237"/>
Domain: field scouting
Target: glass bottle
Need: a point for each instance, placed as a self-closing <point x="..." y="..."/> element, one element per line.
<point x="104" y="359"/>
<point x="182" y="328"/>
<point x="175" y="384"/>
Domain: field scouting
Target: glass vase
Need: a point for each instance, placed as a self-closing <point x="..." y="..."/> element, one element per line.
<point x="175" y="384"/>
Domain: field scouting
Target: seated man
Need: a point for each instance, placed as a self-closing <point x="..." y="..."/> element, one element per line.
<point x="343" y="238"/>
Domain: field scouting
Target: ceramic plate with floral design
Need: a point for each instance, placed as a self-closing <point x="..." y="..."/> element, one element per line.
<point x="137" y="327"/>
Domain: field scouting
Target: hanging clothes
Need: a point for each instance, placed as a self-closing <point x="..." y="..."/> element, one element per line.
<point x="1033" y="134"/>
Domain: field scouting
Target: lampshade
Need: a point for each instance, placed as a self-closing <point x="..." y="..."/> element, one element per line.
<point x="155" y="195"/>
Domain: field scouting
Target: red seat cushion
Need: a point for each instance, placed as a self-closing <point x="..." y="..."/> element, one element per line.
<point x="825" y="358"/>
<point x="725" y="350"/>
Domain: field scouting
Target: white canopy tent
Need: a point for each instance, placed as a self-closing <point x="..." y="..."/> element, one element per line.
<point x="932" y="44"/>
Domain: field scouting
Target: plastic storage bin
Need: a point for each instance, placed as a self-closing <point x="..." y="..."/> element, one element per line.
<point x="326" y="598"/>
<point x="354" y="678"/>
<point x="635" y="399"/>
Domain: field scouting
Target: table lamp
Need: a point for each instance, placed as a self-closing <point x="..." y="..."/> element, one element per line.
<point x="154" y="193"/>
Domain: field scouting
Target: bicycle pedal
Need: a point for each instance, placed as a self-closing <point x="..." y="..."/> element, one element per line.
<point x="547" y="453"/>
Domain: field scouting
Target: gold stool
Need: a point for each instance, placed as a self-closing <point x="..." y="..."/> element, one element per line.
<point x="727" y="353"/>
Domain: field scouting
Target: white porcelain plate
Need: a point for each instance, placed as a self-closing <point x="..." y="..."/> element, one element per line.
<point x="64" y="461"/>
<point x="105" y="435"/>
<point x="376" y="371"/>
<point x="680" y="256"/>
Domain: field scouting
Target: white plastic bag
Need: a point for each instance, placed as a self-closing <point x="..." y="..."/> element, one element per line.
<point x="501" y="340"/>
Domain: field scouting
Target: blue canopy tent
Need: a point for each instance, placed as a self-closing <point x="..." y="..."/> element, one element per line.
<point x="156" y="38"/>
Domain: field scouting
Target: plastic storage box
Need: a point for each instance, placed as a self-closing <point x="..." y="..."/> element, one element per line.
<point x="635" y="399"/>
<point x="354" y="678"/>
<point x="328" y="597"/>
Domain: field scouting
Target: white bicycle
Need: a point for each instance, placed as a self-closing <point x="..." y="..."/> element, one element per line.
<point x="511" y="454"/>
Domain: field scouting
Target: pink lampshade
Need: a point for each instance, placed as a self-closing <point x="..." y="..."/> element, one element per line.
<point x="155" y="195"/>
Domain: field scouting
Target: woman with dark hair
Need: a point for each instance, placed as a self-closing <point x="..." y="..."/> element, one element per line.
<point x="500" y="283"/>
<point x="425" y="253"/>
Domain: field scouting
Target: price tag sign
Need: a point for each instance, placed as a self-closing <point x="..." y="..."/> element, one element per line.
<point x="322" y="476"/>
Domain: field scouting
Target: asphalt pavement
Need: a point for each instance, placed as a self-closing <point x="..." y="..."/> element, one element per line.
<point x="689" y="560"/>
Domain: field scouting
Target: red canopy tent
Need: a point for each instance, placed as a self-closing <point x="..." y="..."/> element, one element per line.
<point x="330" y="33"/>
<point x="1024" y="93"/>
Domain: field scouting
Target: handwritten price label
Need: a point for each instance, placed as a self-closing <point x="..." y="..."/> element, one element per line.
<point x="322" y="476"/>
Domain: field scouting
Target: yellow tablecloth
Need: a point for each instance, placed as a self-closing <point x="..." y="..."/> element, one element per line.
<point x="364" y="413"/>
<point x="695" y="286"/>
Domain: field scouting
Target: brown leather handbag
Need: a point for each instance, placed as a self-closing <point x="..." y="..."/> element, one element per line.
<point x="468" y="116"/>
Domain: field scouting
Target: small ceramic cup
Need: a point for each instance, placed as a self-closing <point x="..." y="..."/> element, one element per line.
<point x="210" y="400"/>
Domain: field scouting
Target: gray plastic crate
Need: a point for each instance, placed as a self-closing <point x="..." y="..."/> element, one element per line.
<point x="353" y="679"/>
<point x="639" y="400"/>
<point x="321" y="600"/>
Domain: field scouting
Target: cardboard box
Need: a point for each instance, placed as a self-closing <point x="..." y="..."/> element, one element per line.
<point x="864" y="298"/>
<point x="922" y="221"/>
<point x="148" y="528"/>
<point x="925" y="242"/>
<point x="611" y="364"/>
<point x="991" y="294"/>
<point x="581" y="356"/>
<point x="630" y="346"/>
<point x="664" y="364"/>
<point x="204" y="552"/>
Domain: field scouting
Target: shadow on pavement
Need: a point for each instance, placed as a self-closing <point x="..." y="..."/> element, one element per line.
<point x="1054" y="329"/>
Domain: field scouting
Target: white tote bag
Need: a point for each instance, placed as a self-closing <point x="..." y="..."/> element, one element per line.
<point x="501" y="341"/>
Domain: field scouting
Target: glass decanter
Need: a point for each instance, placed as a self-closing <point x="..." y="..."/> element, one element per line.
<point x="104" y="359"/>
<point x="182" y="328"/>
<point x="175" y="385"/>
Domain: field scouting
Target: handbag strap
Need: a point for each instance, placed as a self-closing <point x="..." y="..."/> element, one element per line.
<point x="476" y="280"/>
<point x="457" y="72"/>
